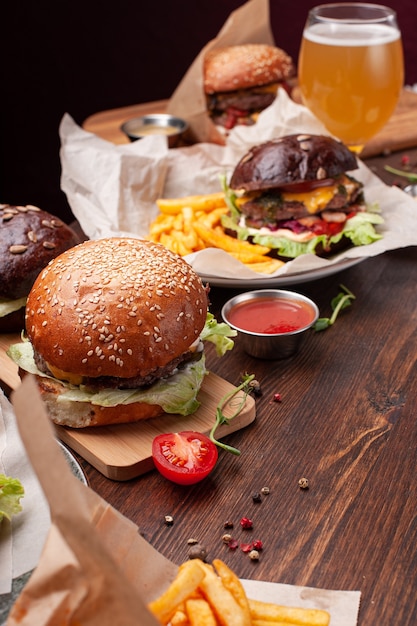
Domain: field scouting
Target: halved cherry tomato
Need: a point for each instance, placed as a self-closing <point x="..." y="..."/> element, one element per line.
<point x="184" y="458"/>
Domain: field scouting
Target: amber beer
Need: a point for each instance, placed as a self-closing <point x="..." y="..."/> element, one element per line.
<point x="351" y="77"/>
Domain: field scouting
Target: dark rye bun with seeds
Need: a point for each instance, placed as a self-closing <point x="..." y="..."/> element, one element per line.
<point x="29" y="239"/>
<point x="292" y="159"/>
<point x="116" y="313"/>
<point x="240" y="81"/>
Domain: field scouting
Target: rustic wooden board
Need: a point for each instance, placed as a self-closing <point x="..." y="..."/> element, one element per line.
<point x="398" y="134"/>
<point x="123" y="451"/>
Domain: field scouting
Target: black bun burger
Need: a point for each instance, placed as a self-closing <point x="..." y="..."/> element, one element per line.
<point x="294" y="195"/>
<point x="115" y="329"/>
<point x="29" y="239"/>
<point x="241" y="81"/>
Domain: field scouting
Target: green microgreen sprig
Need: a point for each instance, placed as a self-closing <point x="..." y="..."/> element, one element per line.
<point x="410" y="176"/>
<point x="221" y="418"/>
<point x="339" y="302"/>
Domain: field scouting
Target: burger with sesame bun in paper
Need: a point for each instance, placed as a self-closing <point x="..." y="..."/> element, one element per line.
<point x="115" y="331"/>
<point x="240" y="81"/>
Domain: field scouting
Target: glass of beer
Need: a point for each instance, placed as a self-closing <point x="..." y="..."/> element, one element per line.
<point x="351" y="68"/>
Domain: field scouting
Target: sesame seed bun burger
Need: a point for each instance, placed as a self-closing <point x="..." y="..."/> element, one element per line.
<point x="115" y="330"/>
<point x="241" y="81"/>
<point x="29" y="239"/>
<point x="296" y="195"/>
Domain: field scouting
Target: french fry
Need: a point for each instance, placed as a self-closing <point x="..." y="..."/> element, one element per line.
<point x="193" y="223"/>
<point x="249" y="257"/>
<point x="233" y="584"/>
<point x="199" y="612"/>
<point x="206" y="202"/>
<point x="268" y="266"/>
<point x="218" y="239"/>
<point x="211" y="218"/>
<point x="180" y="618"/>
<point x="225" y="607"/>
<point x="190" y="575"/>
<point x="265" y="612"/>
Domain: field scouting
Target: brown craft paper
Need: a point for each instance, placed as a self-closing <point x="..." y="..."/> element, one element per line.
<point x="94" y="560"/>
<point x="95" y="568"/>
<point x="248" y="24"/>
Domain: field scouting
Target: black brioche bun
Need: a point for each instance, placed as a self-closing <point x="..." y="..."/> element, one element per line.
<point x="292" y="159"/>
<point x="29" y="239"/>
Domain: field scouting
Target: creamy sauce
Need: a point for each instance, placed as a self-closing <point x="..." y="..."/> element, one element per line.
<point x="153" y="129"/>
<point x="271" y="315"/>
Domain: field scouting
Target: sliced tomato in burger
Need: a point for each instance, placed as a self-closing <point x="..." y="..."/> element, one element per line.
<point x="184" y="458"/>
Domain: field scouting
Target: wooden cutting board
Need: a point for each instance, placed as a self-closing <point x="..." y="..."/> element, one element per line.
<point x="399" y="133"/>
<point x="123" y="451"/>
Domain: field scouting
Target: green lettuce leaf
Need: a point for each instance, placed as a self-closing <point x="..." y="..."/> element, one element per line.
<point x="175" y="394"/>
<point x="9" y="306"/>
<point x="219" y="334"/>
<point x="11" y="490"/>
<point x="359" y="229"/>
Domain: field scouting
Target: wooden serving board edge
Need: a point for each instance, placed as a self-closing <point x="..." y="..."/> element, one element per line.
<point x="123" y="451"/>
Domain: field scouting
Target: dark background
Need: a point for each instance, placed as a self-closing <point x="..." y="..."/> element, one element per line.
<point x="82" y="57"/>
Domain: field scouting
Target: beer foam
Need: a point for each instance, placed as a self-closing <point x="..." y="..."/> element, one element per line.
<point x="351" y="34"/>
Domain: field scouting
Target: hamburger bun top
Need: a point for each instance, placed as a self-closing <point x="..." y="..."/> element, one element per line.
<point x="243" y="66"/>
<point x="29" y="239"/>
<point x="115" y="307"/>
<point x="292" y="159"/>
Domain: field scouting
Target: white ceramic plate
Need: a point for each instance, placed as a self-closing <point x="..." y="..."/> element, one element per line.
<point x="280" y="281"/>
<point x="8" y="599"/>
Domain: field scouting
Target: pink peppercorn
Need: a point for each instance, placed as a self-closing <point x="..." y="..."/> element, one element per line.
<point x="246" y="523"/>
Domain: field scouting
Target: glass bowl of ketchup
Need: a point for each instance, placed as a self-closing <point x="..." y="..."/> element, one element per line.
<point x="271" y="323"/>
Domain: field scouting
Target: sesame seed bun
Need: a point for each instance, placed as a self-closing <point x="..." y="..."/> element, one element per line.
<point x="244" y="66"/>
<point x="113" y="312"/>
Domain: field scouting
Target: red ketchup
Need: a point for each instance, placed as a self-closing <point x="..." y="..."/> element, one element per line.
<point x="271" y="315"/>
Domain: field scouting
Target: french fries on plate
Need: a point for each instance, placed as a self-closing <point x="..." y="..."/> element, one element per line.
<point x="213" y="595"/>
<point x="193" y="223"/>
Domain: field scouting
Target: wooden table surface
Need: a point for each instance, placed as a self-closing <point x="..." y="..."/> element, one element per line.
<point x="346" y="421"/>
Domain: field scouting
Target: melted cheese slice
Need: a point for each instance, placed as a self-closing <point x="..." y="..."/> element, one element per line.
<point x="73" y="379"/>
<point x="314" y="200"/>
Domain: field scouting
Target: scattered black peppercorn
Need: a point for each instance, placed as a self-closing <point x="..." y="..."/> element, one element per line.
<point x="256" y="497"/>
<point x="197" y="551"/>
<point x="255" y="387"/>
<point x="228" y="524"/>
